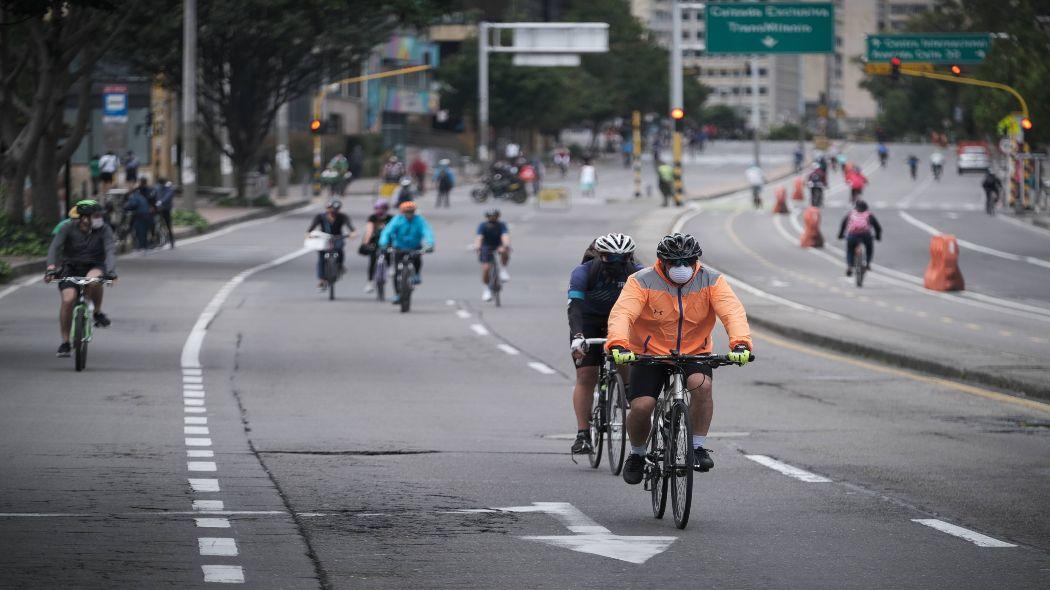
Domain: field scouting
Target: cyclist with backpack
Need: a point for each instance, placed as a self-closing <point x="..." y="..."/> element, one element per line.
<point x="857" y="227"/>
<point x="594" y="286"/>
<point x="445" y="179"/>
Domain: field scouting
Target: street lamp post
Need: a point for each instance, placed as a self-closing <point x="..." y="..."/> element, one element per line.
<point x="189" y="105"/>
<point x="677" y="99"/>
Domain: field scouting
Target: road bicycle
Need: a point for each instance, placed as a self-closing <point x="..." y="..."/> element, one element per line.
<point x="379" y="275"/>
<point x="670" y="442"/>
<point x="860" y="263"/>
<point x="608" y="413"/>
<point x="81" y="329"/>
<point x="816" y="194"/>
<point x="405" y="275"/>
<point x="331" y="269"/>
<point x="495" y="282"/>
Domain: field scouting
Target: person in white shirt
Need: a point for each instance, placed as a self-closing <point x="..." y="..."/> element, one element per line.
<point x="588" y="178"/>
<point x="107" y="170"/>
<point x="756" y="179"/>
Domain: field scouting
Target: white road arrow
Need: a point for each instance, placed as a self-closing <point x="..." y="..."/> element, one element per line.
<point x="769" y="42"/>
<point x="590" y="537"/>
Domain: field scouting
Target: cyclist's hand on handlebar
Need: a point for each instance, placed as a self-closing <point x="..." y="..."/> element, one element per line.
<point x="740" y="355"/>
<point x="429" y="249"/>
<point x="622" y="356"/>
<point x="578" y="347"/>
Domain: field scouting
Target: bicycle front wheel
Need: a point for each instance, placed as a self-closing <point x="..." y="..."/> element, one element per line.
<point x="80" y="342"/>
<point x="657" y="481"/>
<point x="680" y="464"/>
<point x="331" y="271"/>
<point x="596" y="425"/>
<point x="405" y="285"/>
<point x="494" y="281"/>
<point x="616" y="420"/>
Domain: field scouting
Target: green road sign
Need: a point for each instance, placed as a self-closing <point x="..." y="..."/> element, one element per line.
<point x="795" y="27"/>
<point x="961" y="48"/>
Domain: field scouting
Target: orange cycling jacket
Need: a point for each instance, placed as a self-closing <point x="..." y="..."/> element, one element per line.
<point x="648" y="317"/>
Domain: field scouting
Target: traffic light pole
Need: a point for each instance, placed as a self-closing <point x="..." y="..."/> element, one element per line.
<point x="971" y="82"/>
<point x="677" y="99"/>
<point x="636" y="144"/>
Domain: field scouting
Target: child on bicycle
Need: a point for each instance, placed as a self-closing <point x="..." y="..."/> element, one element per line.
<point x="857" y="227"/>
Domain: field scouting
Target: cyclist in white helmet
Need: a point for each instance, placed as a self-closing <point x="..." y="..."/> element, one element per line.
<point x="593" y="288"/>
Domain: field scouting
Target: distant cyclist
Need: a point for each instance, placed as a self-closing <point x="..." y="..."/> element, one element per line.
<point x="370" y="241"/>
<point x="492" y="238"/>
<point x="82" y="247"/>
<point x="672" y="306"/>
<point x="856" y="181"/>
<point x="755" y="178"/>
<point x="594" y="286"/>
<point x="993" y="188"/>
<point x="884" y="154"/>
<point x="857" y="227"/>
<point x="407" y="233"/>
<point x="913" y="165"/>
<point x="335" y="223"/>
<point x="937" y="164"/>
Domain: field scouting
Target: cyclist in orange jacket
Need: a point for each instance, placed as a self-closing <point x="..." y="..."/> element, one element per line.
<point x="672" y="306"/>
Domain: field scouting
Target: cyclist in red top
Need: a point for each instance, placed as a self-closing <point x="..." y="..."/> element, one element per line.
<point x="857" y="227"/>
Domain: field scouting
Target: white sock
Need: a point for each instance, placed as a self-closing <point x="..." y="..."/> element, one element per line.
<point x="698" y="441"/>
<point x="640" y="450"/>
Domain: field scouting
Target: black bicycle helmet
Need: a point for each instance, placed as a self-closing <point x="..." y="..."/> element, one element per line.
<point x="335" y="204"/>
<point x="87" y="207"/>
<point x="678" y="246"/>
<point x="492" y="213"/>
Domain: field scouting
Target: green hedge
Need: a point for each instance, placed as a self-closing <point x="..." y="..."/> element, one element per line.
<point x="190" y="218"/>
<point x="22" y="240"/>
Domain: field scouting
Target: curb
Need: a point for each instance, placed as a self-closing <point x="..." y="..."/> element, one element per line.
<point x="26" y="268"/>
<point x="1021" y="388"/>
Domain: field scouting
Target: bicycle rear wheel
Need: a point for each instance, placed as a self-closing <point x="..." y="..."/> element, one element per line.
<point x="680" y="463"/>
<point x="596" y="425"/>
<point x="379" y="276"/>
<point x="859" y="266"/>
<point x="616" y="419"/>
<point x="405" y="285"/>
<point x="80" y="342"/>
<point x="657" y="482"/>
<point x="331" y="272"/>
<point x="494" y="281"/>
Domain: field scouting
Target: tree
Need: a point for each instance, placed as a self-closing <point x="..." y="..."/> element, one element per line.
<point x="47" y="48"/>
<point x="255" y="55"/>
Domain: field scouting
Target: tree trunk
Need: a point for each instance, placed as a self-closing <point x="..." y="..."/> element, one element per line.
<point x="46" y="210"/>
<point x="14" y="192"/>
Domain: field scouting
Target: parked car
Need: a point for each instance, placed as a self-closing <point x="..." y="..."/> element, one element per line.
<point x="973" y="157"/>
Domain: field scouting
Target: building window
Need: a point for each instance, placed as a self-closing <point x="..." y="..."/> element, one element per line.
<point x="763" y="72"/>
<point x="762" y="91"/>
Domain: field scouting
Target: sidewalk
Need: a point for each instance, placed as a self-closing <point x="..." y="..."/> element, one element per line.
<point x="217" y="217"/>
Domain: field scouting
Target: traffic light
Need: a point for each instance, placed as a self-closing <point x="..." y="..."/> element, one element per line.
<point x="677" y="114"/>
<point x="956" y="71"/>
<point x="895" y="68"/>
<point x="316" y="127"/>
<point x="1026" y="124"/>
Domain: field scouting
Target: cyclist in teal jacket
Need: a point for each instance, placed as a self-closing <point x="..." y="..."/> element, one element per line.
<point x="408" y="232"/>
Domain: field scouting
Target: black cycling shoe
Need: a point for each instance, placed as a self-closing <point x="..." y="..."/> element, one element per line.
<point x="101" y="320"/>
<point x="633" y="469"/>
<point x="849" y="272"/>
<point x="582" y="446"/>
<point x="702" y="460"/>
<point x="63" y="350"/>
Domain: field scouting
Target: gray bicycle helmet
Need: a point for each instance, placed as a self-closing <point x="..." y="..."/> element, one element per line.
<point x="678" y="246"/>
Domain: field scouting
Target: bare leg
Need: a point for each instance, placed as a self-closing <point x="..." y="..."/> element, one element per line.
<point x="486" y="267"/>
<point x="639" y="419"/>
<point x="702" y="405"/>
<point x="583" y="394"/>
<point x="94" y="292"/>
<point x="65" y="312"/>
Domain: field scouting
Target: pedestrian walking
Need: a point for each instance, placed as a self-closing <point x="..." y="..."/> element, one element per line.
<point x="164" y="193"/>
<point x="138" y="206"/>
<point x="628" y="153"/>
<point x="755" y="178"/>
<point x="107" y="169"/>
<point x="445" y="179"/>
<point x="96" y="174"/>
<point x="588" y="178"/>
<point x="131" y="168"/>
<point x="418" y="170"/>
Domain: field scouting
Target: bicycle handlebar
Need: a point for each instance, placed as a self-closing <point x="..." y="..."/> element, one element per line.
<point x="590" y="341"/>
<point x="710" y="360"/>
<point x="87" y="280"/>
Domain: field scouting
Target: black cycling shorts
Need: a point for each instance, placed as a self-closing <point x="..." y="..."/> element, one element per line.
<point x="78" y="270"/>
<point x="648" y="380"/>
<point x="594" y="327"/>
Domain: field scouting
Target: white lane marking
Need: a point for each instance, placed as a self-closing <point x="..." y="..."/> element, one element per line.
<point x="197" y="454"/>
<point x="192" y="387"/>
<point x="18" y="286"/>
<point x="450" y="302"/>
<point x="198" y="442"/>
<point x="208" y="505"/>
<point x="1029" y="226"/>
<point x="193" y="402"/>
<point x="976" y="247"/>
<point x="192" y="379"/>
<point x="212" y="523"/>
<point x="223" y="574"/>
<point x="479" y="329"/>
<point x="195" y="420"/>
<point x="195" y="430"/>
<point x="507" y="349"/>
<point x="191" y="350"/>
<point x="971" y="536"/>
<point x="194" y="410"/>
<point x="201" y="466"/>
<point x="462" y="313"/>
<point x="224" y="546"/>
<point x="788" y="470"/>
<point x="191" y="371"/>
<point x="542" y="368"/>
<point x="193" y="394"/>
<point x="204" y="485"/>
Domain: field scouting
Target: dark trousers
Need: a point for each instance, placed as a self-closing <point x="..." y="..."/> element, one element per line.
<point x="442" y="198"/>
<point x="165" y="214"/>
<point x="851" y="244"/>
<point x="141" y="225"/>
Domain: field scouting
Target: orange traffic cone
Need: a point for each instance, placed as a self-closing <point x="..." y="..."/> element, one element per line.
<point x="943" y="273"/>
<point x="781" y="205"/>
<point x="797" y="194"/>
<point x="811" y="237"/>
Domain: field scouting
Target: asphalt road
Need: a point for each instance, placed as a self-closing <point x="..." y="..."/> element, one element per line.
<point x="292" y="442"/>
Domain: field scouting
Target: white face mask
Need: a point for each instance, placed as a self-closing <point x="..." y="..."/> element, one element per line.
<point x="97" y="223"/>
<point x="680" y="274"/>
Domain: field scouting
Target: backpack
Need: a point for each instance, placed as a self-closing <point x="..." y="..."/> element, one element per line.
<point x="444" y="180"/>
<point x="858" y="223"/>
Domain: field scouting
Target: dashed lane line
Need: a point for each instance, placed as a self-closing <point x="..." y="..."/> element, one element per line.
<point x="221" y="546"/>
<point x="479" y="329"/>
<point x="788" y="470"/>
<point x="508" y="349"/>
<point x="223" y="574"/>
<point x="958" y="531"/>
<point x="541" y="368"/>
